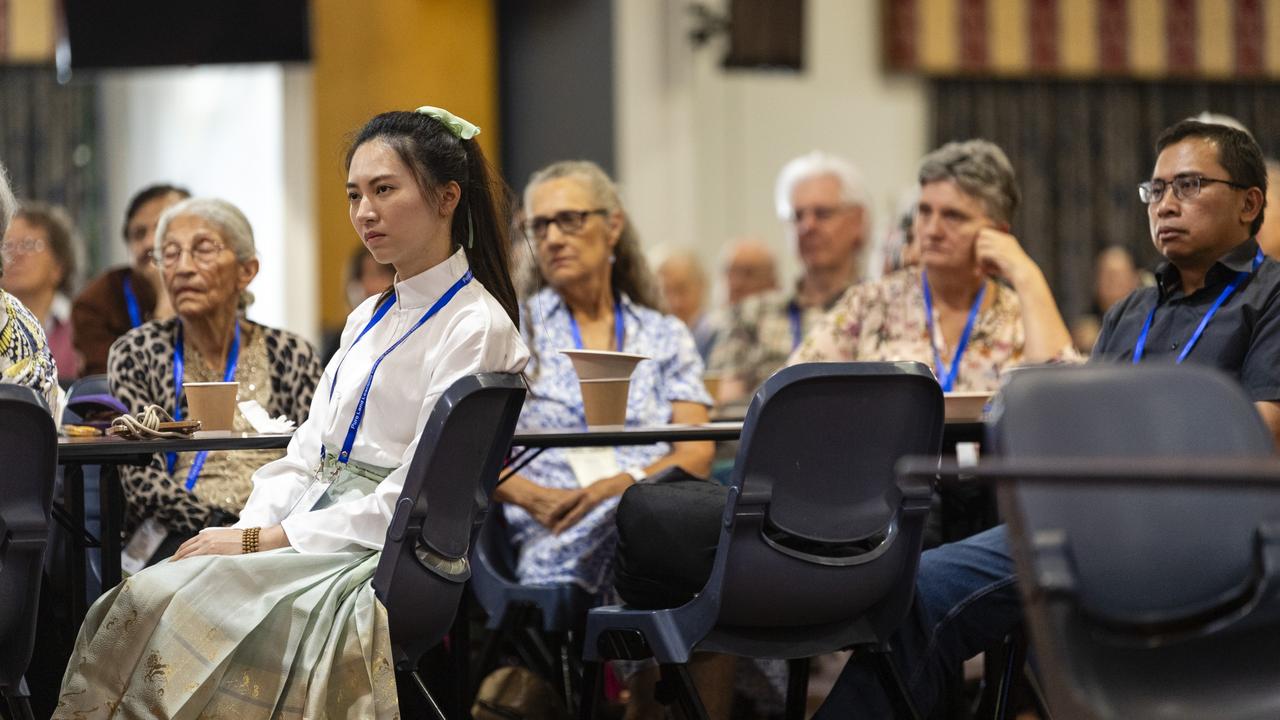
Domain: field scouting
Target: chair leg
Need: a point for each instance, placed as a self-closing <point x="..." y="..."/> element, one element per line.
<point x="591" y="672"/>
<point x="899" y="696"/>
<point x="1037" y="692"/>
<point x="460" y="644"/>
<point x="675" y="684"/>
<point x="1013" y="660"/>
<point x="422" y="688"/>
<point x="797" y="688"/>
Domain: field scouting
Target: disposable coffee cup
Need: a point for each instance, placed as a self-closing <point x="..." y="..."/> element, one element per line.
<point x="712" y="381"/>
<point x="605" y="401"/>
<point x="212" y="403"/>
<point x="605" y="379"/>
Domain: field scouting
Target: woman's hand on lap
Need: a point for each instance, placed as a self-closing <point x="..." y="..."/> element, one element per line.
<point x="589" y="497"/>
<point x="229" y="541"/>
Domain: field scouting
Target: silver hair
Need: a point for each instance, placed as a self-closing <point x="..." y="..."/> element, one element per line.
<point x="232" y="225"/>
<point x="981" y="169"/>
<point x="815" y="164"/>
<point x="8" y="204"/>
<point x="853" y="189"/>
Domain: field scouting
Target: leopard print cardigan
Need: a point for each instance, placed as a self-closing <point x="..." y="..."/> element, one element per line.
<point x="140" y="372"/>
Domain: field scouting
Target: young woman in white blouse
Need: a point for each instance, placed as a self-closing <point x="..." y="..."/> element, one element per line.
<point x="275" y="616"/>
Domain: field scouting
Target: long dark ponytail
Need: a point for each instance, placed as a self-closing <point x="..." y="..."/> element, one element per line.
<point x="435" y="156"/>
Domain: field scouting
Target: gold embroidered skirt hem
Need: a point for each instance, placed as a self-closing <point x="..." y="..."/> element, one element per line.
<point x="276" y="634"/>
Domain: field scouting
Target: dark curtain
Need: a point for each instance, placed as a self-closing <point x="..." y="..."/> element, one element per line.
<point x="47" y="142"/>
<point x="1080" y="149"/>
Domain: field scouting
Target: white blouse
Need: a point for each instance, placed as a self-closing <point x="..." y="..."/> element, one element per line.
<point x="471" y="334"/>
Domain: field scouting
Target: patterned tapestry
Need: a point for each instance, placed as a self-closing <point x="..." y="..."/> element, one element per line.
<point x="1146" y="39"/>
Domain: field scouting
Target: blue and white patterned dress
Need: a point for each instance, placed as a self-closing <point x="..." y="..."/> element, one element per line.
<point x="583" y="554"/>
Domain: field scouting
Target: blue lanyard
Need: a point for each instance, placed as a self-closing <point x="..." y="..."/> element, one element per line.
<point x="131" y="301"/>
<point x="949" y="380"/>
<point x="619" y="325"/>
<point x="378" y="314"/>
<point x="797" y="329"/>
<point x="179" y="369"/>
<point x="358" y="417"/>
<point x="1204" y="322"/>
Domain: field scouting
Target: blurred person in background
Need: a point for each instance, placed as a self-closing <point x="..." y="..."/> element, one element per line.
<point x="683" y="285"/>
<point x="122" y="299"/>
<point x="1115" y="275"/>
<point x="749" y="269"/>
<point x="40" y="267"/>
<point x="366" y="277"/>
<point x="823" y="201"/>
<point x="1269" y="233"/>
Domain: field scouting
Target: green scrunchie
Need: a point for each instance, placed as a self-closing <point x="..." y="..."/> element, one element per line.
<point x="459" y="127"/>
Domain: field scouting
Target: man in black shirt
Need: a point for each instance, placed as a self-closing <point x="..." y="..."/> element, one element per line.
<point x="1205" y="202"/>
<point x="1217" y="302"/>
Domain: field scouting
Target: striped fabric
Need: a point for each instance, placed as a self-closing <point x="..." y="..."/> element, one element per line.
<point x="1206" y="39"/>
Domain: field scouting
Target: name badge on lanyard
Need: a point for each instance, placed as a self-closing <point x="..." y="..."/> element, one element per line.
<point x="357" y="418"/>
<point x="947" y="379"/>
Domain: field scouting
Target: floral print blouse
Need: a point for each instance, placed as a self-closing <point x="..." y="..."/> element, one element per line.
<point x="885" y="321"/>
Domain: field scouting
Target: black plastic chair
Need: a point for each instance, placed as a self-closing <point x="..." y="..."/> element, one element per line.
<point x="29" y="456"/>
<point x="536" y="619"/>
<point x="820" y="544"/>
<point x="1146" y="597"/>
<point x="424" y="566"/>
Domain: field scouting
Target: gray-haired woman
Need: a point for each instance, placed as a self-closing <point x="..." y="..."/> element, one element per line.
<point x="205" y="251"/>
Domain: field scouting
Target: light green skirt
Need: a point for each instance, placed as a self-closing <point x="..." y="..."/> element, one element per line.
<point x="276" y="634"/>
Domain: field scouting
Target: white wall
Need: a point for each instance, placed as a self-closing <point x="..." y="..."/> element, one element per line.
<point x="239" y="132"/>
<point x="699" y="147"/>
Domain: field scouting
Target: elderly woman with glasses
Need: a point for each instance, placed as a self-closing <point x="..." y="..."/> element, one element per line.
<point x="40" y="265"/>
<point x="205" y="253"/>
<point x="24" y="352"/>
<point x="589" y="288"/>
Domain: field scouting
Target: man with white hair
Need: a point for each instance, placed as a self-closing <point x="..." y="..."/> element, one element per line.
<point x="24" y="352"/>
<point x="822" y="199"/>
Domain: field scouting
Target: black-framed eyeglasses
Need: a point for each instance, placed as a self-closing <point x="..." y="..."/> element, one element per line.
<point x="570" y="222"/>
<point x="204" y="252"/>
<point x="1184" y="187"/>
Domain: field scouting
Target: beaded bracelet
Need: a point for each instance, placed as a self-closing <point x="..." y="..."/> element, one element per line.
<point x="249" y="540"/>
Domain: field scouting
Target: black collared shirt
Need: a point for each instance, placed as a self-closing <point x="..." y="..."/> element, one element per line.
<point x="1242" y="339"/>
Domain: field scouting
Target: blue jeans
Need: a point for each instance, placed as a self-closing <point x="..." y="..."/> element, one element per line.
<point x="966" y="602"/>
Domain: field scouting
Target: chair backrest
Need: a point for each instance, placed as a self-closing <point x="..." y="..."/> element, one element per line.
<point x="28" y="461"/>
<point x="1140" y="594"/>
<point x="1126" y="411"/>
<point x="424" y="563"/>
<point x="815" y="513"/>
